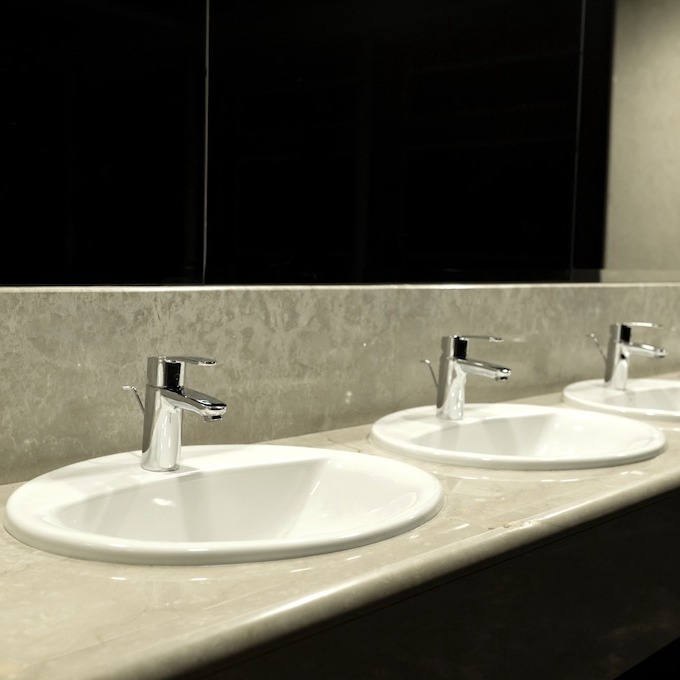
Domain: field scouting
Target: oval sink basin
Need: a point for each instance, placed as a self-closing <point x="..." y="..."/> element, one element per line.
<point x="225" y="504"/>
<point x="648" y="398"/>
<point x="518" y="437"/>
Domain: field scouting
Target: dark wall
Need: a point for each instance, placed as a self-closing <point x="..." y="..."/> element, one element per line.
<point x="102" y="136"/>
<point x="361" y="141"/>
<point x="402" y="141"/>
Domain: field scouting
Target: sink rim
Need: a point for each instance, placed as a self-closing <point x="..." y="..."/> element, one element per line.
<point x="572" y="395"/>
<point x="30" y="507"/>
<point x="477" y="413"/>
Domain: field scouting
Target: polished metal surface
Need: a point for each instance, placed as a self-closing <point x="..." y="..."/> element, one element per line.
<point x="621" y="348"/>
<point x="166" y="399"/>
<point x="454" y="367"/>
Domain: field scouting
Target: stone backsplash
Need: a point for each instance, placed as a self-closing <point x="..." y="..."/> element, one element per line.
<point x="293" y="359"/>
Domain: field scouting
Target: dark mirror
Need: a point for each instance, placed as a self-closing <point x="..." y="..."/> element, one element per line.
<point x="355" y="142"/>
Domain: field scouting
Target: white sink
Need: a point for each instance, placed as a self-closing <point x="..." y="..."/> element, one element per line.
<point x="225" y="504"/>
<point x="518" y="437"/>
<point x="648" y="398"/>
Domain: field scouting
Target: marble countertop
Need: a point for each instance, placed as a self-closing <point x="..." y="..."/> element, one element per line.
<point x="69" y="619"/>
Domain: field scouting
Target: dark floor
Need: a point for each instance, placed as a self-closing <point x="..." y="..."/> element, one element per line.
<point x="663" y="664"/>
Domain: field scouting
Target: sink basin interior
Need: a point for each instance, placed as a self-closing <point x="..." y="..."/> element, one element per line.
<point x="518" y="437"/>
<point x="225" y="504"/>
<point x="272" y="498"/>
<point x="649" y="398"/>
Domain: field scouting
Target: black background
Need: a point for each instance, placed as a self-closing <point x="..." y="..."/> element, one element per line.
<point x="366" y="141"/>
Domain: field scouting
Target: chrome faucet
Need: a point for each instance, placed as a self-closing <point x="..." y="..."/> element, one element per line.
<point x="454" y="367"/>
<point x="621" y="348"/>
<point x="166" y="399"/>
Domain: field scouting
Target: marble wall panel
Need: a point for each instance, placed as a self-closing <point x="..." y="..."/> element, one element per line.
<point x="293" y="360"/>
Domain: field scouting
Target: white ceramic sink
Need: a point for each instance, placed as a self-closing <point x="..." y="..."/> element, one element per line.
<point x="648" y="398"/>
<point x="518" y="437"/>
<point x="225" y="504"/>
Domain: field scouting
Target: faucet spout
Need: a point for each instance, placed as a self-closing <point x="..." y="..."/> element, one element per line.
<point x="621" y="348"/>
<point x="203" y="405"/>
<point x="166" y="400"/>
<point x="484" y="369"/>
<point x="644" y="350"/>
<point x="454" y="367"/>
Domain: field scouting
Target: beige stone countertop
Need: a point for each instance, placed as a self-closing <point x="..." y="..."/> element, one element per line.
<point x="70" y="619"/>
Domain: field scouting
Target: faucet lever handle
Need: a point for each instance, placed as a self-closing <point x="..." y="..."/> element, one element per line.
<point x="457" y="345"/>
<point x="642" y="324"/>
<point x="168" y="371"/>
<point x="197" y="361"/>
<point x="622" y="331"/>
